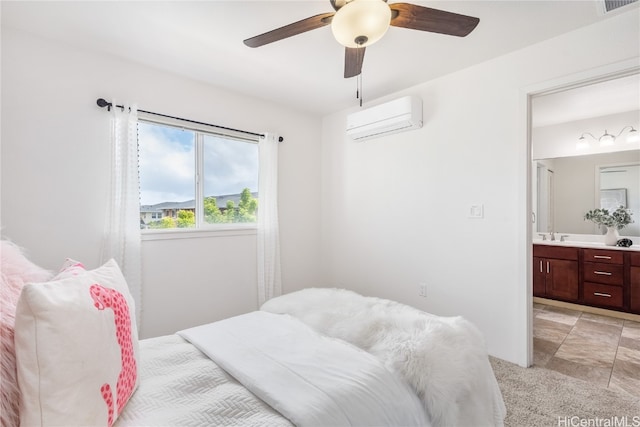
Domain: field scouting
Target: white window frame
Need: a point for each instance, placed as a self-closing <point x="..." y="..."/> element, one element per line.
<point x="202" y="228"/>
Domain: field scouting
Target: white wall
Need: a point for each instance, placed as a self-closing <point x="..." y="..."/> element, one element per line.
<point x="395" y="208"/>
<point x="55" y="169"/>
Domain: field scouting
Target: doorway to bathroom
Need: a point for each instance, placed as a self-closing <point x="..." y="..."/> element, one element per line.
<point x="574" y="168"/>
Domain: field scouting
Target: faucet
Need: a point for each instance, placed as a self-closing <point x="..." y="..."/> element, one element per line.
<point x="552" y="236"/>
<point x="563" y="237"/>
<point x="544" y="236"/>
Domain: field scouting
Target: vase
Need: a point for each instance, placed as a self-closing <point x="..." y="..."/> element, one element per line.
<point x="612" y="236"/>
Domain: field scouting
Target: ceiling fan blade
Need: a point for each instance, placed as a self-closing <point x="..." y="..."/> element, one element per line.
<point x="353" y="58"/>
<point x="299" y="27"/>
<point x="422" y="18"/>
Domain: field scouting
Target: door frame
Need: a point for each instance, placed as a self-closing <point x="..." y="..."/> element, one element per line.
<point x="575" y="80"/>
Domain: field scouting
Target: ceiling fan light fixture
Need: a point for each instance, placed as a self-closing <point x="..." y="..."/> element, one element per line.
<point x="361" y="23"/>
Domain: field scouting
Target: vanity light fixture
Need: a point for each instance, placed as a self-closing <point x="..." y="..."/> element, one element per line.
<point x="608" y="139"/>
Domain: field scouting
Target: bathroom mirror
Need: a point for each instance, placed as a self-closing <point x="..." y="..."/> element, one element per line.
<point x="568" y="187"/>
<point x="568" y="178"/>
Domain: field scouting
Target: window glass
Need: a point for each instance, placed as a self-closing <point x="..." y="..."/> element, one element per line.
<point x="171" y="196"/>
<point x="230" y="180"/>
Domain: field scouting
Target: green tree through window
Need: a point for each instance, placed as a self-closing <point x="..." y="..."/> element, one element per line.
<point x="245" y="212"/>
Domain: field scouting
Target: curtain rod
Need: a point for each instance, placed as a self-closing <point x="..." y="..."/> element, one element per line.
<point x="104" y="103"/>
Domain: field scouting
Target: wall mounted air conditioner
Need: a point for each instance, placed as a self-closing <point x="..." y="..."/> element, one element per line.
<point x="395" y="116"/>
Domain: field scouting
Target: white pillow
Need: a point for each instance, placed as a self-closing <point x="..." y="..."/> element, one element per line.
<point x="77" y="349"/>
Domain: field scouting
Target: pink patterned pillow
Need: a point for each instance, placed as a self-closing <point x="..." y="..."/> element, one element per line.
<point x="77" y="348"/>
<point x="16" y="271"/>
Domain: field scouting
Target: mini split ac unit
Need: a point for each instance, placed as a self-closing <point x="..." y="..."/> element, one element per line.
<point x="395" y="116"/>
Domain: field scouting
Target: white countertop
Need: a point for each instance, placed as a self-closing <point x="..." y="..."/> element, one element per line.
<point x="585" y="244"/>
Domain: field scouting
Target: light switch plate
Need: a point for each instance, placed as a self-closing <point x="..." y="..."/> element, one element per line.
<point x="476" y="211"/>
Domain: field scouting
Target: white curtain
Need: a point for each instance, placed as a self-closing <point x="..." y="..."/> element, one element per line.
<point x="122" y="229"/>
<point x="269" y="280"/>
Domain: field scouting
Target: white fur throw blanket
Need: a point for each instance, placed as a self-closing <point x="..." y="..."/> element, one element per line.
<point x="443" y="358"/>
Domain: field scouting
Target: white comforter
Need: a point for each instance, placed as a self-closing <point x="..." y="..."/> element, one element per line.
<point x="181" y="387"/>
<point x="311" y="379"/>
<point x="443" y="360"/>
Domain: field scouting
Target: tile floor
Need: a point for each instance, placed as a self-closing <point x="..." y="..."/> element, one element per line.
<point x="599" y="349"/>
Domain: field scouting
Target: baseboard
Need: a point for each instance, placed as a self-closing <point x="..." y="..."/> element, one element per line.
<point x="588" y="309"/>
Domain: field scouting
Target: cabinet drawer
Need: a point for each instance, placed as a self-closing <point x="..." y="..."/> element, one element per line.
<point x="598" y="294"/>
<point x="556" y="252"/>
<point x="634" y="258"/>
<point x="598" y="272"/>
<point x="604" y="256"/>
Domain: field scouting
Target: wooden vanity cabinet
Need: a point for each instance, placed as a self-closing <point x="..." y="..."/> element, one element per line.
<point x="634" y="282"/>
<point x="556" y="272"/>
<point x="603" y="278"/>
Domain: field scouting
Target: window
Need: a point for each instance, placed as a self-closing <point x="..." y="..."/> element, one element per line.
<point x="172" y="159"/>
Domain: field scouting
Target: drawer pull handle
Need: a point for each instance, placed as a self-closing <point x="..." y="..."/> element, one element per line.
<point x="602" y="273"/>
<point x="600" y="294"/>
<point x="602" y="257"/>
<point x="541" y="267"/>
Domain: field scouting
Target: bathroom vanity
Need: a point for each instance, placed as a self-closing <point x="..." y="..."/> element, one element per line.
<point x="588" y="273"/>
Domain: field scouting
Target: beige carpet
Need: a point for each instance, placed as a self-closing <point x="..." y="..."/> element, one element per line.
<point x="540" y="397"/>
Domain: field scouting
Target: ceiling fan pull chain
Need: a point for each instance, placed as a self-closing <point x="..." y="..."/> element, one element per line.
<point x="360" y="87"/>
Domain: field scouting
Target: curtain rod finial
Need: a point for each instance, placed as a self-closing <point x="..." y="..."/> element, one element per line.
<point x="102" y="103"/>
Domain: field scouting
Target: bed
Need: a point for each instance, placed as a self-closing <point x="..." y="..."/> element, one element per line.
<point x="442" y="360"/>
<point x="315" y="357"/>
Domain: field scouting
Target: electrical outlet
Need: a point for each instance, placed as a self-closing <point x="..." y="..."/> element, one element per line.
<point x="422" y="289"/>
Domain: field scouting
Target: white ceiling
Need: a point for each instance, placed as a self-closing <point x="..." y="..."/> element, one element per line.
<point x="595" y="100"/>
<point x="203" y="40"/>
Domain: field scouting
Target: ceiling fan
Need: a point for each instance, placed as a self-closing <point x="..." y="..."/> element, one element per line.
<point x="357" y="24"/>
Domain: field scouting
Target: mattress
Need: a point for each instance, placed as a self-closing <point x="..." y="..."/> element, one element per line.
<point x="180" y="386"/>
